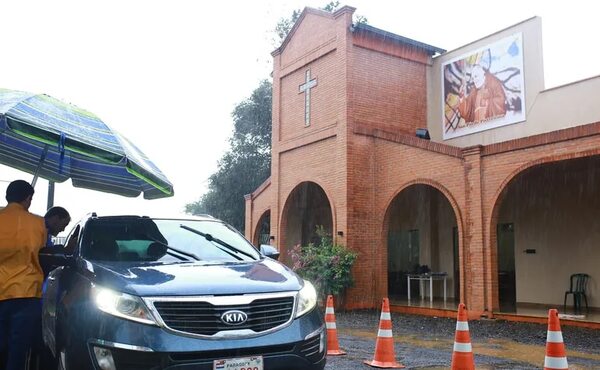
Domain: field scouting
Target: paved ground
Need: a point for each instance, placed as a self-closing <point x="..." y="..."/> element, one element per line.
<point x="426" y="343"/>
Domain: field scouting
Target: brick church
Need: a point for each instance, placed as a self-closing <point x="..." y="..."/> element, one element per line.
<point x="459" y="163"/>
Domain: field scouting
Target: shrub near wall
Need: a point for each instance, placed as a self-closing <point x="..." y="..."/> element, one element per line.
<point x="325" y="264"/>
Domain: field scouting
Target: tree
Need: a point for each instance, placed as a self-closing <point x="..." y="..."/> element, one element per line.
<point x="245" y="165"/>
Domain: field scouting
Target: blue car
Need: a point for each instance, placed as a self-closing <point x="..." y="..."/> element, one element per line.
<point x="130" y="292"/>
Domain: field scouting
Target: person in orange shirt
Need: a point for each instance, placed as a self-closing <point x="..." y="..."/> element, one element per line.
<point x="22" y="235"/>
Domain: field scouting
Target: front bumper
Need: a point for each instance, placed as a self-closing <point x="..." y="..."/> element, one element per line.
<point x="133" y="346"/>
<point x="290" y="356"/>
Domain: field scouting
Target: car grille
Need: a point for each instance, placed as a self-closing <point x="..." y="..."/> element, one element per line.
<point x="204" y="318"/>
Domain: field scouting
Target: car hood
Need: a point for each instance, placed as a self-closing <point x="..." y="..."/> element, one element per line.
<point x="263" y="276"/>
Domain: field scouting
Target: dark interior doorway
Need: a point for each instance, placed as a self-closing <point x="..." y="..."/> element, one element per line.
<point x="507" y="289"/>
<point x="263" y="230"/>
<point x="404" y="253"/>
<point x="307" y="208"/>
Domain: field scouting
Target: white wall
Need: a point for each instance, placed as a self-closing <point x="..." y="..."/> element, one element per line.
<point x="555" y="209"/>
<point x="571" y="105"/>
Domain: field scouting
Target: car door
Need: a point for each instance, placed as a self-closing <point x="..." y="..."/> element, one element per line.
<point x="53" y="293"/>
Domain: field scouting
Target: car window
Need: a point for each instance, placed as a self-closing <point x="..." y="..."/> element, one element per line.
<point x="134" y="239"/>
<point x="72" y="239"/>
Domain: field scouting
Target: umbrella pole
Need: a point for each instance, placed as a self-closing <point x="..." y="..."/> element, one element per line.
<point x="50" y="203"/>
<point x="39" y="167"/>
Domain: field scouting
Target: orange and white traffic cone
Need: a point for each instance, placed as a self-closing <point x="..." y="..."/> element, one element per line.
<point x="333" y="347"/>
<point x="385" y="356"/>
<point x="556" y="357"/>
<point x="462" y="356"/>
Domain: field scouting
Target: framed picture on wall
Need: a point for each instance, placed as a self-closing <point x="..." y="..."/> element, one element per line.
<point x="484" y="89"/>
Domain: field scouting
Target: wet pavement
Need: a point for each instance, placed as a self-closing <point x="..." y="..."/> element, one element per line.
<point x="426" y="343"/>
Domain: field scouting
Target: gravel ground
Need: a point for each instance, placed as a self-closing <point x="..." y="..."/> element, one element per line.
<point x="426" y="342"/>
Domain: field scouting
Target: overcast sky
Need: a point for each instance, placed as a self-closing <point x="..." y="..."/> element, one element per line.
<point x="167" y="74"/>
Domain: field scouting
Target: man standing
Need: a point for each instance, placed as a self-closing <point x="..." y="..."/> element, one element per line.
<point x="57" y="218"/>
<point x="22" y="235"/>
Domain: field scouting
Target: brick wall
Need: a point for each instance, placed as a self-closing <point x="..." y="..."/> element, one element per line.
<point x="257" y="204"/>
<point x="387" y="91"/>
<point x="317" y="163"/>
<point x="326" y="99"/>
<point x="361" y="150"/>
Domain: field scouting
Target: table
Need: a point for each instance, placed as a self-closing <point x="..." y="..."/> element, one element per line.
<point x="427" y="277"/>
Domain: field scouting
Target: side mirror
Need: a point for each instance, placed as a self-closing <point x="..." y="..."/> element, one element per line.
<point x="269" y="251"/>
<point x="53" y="257"/>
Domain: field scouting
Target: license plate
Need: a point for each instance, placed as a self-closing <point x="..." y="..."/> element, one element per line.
<point x="242" y="363"/>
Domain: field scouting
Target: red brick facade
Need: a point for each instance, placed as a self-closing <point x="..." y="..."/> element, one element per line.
<point x="360" y="148"/>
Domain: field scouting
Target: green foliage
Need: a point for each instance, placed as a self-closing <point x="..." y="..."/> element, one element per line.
<point x="331" y="7"/>
<point x="247" y="163"/>
<point x="327" y="265"/>
<point x="284" y="26"/>
<point x="361" y="19"/>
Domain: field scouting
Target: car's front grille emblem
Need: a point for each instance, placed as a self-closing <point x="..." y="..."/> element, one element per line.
<point x="234" y="317"/>
<point x="225" y="316"/>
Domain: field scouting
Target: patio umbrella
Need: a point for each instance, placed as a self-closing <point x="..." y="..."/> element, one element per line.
<point x="57" y="141"/>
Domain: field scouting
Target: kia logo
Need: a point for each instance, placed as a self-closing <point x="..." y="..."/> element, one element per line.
<point x="234" y="317"/>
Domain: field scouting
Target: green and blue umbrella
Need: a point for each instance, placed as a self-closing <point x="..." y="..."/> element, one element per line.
<point x="57" y="141"/>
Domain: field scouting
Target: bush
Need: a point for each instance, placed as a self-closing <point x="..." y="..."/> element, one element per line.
<point x="325" y="264"/>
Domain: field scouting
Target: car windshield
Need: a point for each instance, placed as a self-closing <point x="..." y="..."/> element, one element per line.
<point x="140" y="239"/>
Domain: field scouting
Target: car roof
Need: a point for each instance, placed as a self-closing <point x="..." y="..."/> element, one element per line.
<point x="94" y="215"/>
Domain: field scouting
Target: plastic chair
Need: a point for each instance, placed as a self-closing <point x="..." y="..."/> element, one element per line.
<point x="577" y="289"/>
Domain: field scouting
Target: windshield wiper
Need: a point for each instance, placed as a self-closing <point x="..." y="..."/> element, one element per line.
<point x="211" y="238"/>
<point x="187" y="254"/>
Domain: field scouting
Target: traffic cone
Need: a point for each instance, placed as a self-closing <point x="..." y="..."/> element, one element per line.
<point x="384" y="346"/>
<point x="333" y="347"/>
<point x="556" y="357"/>
<point x="462" y="356"/>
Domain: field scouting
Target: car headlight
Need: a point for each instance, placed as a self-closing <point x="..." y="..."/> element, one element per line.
<point x="122" y="305"/>
<point x="307" y="299"/>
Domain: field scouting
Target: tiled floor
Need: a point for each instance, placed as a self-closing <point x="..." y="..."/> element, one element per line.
<point x="450" y="303"/>
<point x="542" y="311"/>
<point x="522" y="310"/>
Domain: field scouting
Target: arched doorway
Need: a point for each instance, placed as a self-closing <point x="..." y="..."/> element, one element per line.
<point x="547" y="227"/>
<point x="306" y="208"/>
<point x="422" y="237"/>
<point x="263" y="229"/>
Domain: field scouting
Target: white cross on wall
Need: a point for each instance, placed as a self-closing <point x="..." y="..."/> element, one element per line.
<point x="305" y="88"/>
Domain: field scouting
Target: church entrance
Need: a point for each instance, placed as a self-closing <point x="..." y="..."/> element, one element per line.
<point x="422" y="241"/>
<point x="548" y="228"/>
<point x="263" y="229"/>
<point x="306" y="209"/>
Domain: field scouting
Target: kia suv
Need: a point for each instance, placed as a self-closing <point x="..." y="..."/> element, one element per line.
<point x="130" y="292"/>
